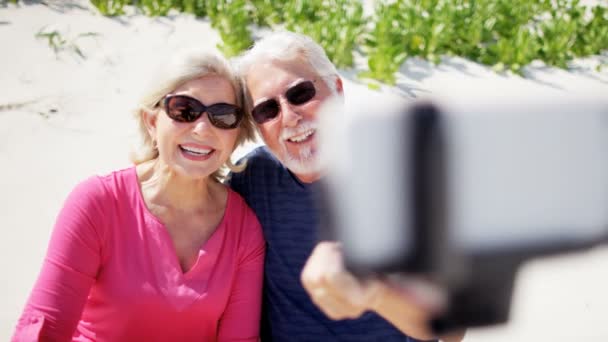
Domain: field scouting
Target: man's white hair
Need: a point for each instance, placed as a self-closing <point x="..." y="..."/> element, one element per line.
<point x="288" y="46"/>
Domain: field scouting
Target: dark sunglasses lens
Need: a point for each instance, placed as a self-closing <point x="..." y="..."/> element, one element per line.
<point x="301" y="93"/>
<point x="225" y="116"/>
<point x="183" y="109"/>
<point x="265" y="111"/>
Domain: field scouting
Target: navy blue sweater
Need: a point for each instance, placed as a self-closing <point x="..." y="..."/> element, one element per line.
<point x="286" y="210"/>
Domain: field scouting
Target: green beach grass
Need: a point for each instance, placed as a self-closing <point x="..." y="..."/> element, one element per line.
<point x="504" y="34"/>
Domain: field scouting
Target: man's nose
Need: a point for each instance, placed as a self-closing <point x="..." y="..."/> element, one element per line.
<point x="291" y="118"/>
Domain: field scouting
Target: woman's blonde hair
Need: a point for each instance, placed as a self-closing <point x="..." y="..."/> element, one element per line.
<point x="185" y="66"/>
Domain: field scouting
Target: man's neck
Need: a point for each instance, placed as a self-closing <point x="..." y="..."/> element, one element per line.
<point x="308" y="178"/>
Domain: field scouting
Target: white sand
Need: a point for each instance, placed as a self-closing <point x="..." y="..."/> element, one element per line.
<point x="65" y="118"/>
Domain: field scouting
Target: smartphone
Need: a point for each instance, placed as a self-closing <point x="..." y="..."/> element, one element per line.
<point x="464" y="189"/>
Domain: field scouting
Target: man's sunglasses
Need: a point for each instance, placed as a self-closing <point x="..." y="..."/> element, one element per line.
<point x="184" y="108"/>
<point x="297" y="95"/>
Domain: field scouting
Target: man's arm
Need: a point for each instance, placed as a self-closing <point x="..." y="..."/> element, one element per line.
<point x="340" y="295"/>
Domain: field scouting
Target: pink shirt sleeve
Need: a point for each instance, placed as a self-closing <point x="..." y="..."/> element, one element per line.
<point x="241" y="318"/>
<point x="69" y="269"/>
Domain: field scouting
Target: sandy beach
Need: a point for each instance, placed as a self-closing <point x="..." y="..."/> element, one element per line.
<point x="65" y="114"/>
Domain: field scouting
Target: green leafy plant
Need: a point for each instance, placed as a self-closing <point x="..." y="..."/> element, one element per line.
<point x="157" y="8"/>
<point x="471" y="29"/>
<point x="558" y="34"/>
<point x="196" y="7"/>
<point x="385" y="44"/>
<point x="266" y="12"/>
<point x="504" y="34"/>
<point x="335" y="24"/>
<point x="231" y="19"/>
<point x="111" y="7"/>
<point x="508" y="39"/>
<point x="592" y="36"/>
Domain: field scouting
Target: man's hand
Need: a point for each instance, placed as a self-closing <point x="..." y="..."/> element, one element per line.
<point x="332" y="288"/>
<point x="407" y="303"/>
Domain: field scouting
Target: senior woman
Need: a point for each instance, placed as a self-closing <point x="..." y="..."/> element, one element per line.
<point x="161" y="251"/>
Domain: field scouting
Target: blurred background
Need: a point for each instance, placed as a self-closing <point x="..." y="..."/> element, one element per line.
<point x="71" y="72"/>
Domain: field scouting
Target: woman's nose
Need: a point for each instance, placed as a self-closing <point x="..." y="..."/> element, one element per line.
<point x="201" y="124"/>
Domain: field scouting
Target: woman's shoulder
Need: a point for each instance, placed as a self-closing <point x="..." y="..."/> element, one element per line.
<point x="124" y="175"/>
<point x="236" y="203"/>
<point x="238" y="212"/>
<point x="106" y="185"/>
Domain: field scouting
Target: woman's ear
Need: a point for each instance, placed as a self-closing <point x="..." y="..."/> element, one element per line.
<point x="149" y="119"/>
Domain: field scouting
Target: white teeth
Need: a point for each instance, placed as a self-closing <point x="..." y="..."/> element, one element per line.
<point x="301" y="137"/>
<point x="194" y="150"/>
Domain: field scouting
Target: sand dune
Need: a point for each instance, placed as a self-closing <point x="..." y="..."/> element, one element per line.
<point x="64" y="116"/>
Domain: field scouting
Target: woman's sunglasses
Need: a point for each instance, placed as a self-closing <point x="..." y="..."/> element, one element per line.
<point x="184" y="108"/>
<point x="297" y="95"/>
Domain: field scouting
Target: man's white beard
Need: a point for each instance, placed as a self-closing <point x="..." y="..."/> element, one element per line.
<point x="306" y="161"/>
<point x="303" y="164"/>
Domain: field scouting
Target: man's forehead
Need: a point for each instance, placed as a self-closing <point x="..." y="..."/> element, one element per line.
<point x="272" y="75"/>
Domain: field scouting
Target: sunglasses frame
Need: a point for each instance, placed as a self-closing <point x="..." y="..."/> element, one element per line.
<point x="200" y="110"/>
<point x="288" y="96"/>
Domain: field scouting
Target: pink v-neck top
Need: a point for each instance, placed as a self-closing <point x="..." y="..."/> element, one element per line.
<point x="111" y="273"/>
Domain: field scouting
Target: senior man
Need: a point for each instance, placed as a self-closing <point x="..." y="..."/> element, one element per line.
<point x="308" y="295"/>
